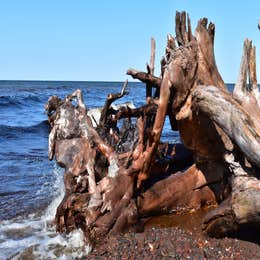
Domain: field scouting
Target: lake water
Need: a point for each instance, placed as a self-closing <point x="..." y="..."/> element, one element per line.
<point x="31" y="187"/>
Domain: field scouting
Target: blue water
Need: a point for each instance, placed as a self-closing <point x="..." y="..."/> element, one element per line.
<point x="31" y="186"/>
<point x="25" y="172"/>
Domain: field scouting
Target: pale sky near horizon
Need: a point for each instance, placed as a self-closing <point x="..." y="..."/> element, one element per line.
<point x="100" y="40"/>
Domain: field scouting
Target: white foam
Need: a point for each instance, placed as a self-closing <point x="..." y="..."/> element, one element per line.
<point x="35" y="237"/>
<point x="59" y="189"/>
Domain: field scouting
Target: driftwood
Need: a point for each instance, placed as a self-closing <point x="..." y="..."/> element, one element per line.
<point x="116" y="176"/>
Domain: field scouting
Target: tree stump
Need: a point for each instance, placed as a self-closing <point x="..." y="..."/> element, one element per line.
<point x="116" y="176"/>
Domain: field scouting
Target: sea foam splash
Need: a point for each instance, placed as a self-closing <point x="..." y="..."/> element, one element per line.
<point x="34" y="237"/>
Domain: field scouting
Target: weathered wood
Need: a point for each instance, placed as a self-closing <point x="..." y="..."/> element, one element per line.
<point x="242" y="207"/>
<point x="234" y="120"/>
<point x="181" y="191"/>
<point x="111" y="180"/>
<point x="152" y="57"/>
<point x="150" y="70"/>
<point x="126" y="112"/>
<point x="145" y="77"/>
<point x="110" y="99"/>
<point x="240" y="120"/>
<point x="247" y="93"/>
<point x="207" y="69"/>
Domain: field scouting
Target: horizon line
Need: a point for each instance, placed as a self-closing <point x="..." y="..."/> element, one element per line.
<point x="55" y="80"/>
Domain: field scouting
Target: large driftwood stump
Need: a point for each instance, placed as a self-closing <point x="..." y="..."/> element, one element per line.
<point x="115" y="176"/>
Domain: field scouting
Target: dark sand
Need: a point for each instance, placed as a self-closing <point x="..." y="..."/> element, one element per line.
<point x="177" y="237"/>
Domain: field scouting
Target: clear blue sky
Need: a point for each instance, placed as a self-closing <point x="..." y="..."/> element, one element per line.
<point x="100" y="40"/>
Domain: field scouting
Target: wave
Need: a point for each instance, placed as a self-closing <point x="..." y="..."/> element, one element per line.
<point x="34" y="236"/>
<point x="7" y="131"/>
<point x="9" y="193"/>
<point x="18" y="101"/>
